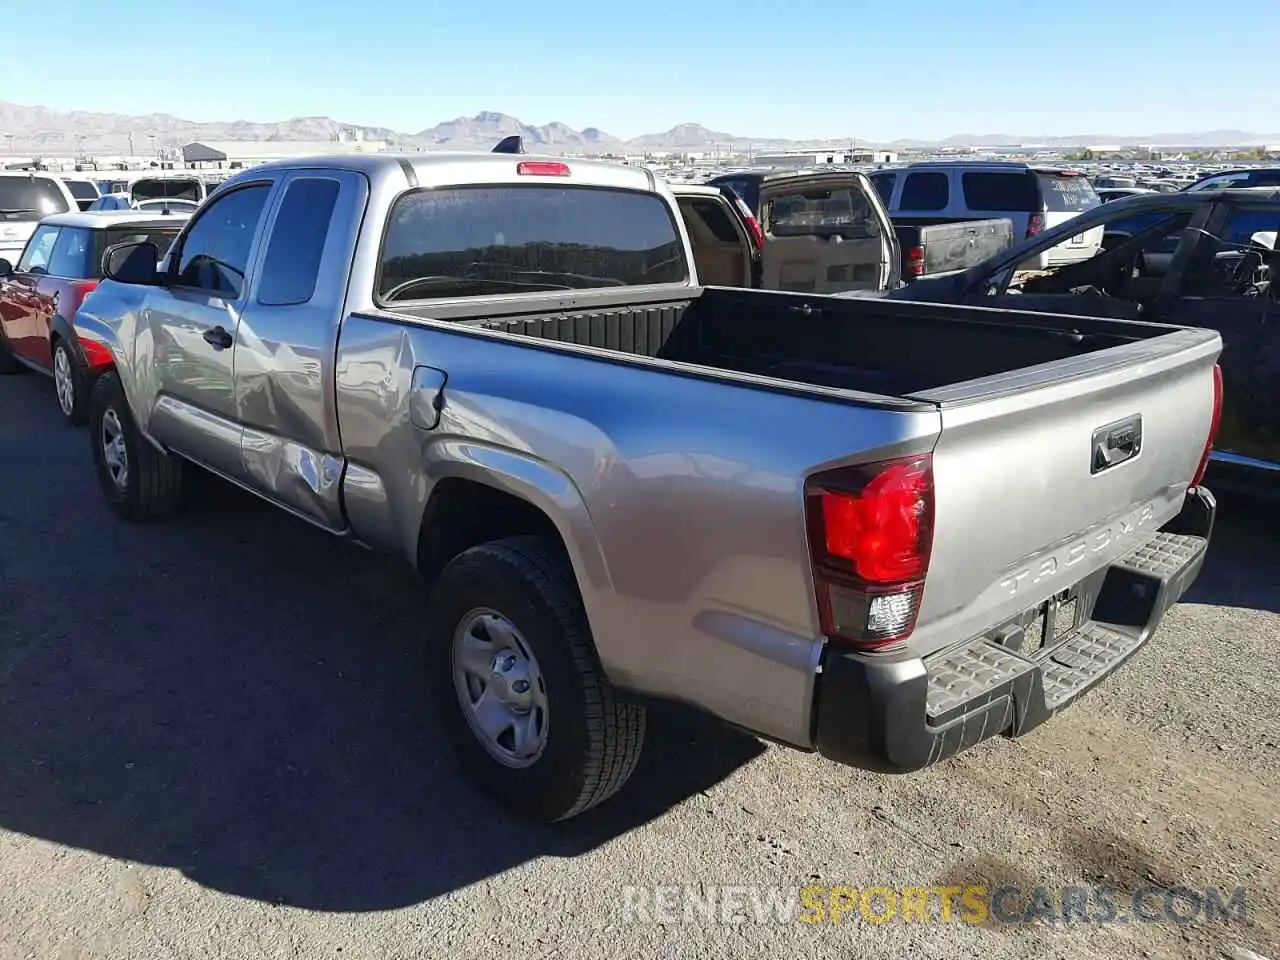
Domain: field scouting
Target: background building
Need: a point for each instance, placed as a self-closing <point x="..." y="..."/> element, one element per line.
<point x="234" y="154"/>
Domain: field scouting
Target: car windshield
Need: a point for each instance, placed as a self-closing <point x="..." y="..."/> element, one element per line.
<point x="156" y="188"/>
<point x="30" y="198"/>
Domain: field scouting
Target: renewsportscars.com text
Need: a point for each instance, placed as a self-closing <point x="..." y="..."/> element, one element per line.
<point x="974" y="904"/>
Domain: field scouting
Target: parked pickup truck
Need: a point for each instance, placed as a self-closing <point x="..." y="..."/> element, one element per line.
<point x="928" y="250"/>
<point x="880" y="530"/>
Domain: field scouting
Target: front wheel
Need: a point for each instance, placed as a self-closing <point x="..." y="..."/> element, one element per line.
<point x="71" y="384"/>
<point x="523" y="699"/>
<point x="139" y="481"/>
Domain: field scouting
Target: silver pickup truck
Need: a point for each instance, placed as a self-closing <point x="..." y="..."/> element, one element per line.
<point x="881" y="530"/>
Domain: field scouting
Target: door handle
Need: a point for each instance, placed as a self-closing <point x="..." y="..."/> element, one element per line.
<point x="218" y="337"/>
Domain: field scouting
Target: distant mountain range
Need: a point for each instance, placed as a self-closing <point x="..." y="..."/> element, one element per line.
<point x="26" y="129"/>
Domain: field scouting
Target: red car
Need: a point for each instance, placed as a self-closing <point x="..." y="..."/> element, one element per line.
<point x="60" y="265"/>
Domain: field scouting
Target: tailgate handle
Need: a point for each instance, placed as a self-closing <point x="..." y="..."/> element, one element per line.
<point x="1116" y="442"/>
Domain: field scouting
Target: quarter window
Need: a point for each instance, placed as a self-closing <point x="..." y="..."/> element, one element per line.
<point x="927" y="191"/>
<point x="292" y="264"/>
<point x="72" y="254"/>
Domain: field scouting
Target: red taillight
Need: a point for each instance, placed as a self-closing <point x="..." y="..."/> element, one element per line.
<point x="870" y="533"/>
<point x="542" y="168"/>
<point x="753" y="225"/>
<point x="79" y="290"/>
<point x="1035" y="225"/>
<point x="96" y="355"/>
<point x="913" y="261"/>
<point x="1214" y="423"/>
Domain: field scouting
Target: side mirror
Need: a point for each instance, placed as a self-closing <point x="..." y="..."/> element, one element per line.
<point x="132" y="263"/>
<point x="1265" y="238"/>
<point x="6" y="268"/>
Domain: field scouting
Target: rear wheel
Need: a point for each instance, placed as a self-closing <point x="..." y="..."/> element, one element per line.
<point x="139" y="481"/>
<point x="523" y="700"/>
<point x="71" y="384"/>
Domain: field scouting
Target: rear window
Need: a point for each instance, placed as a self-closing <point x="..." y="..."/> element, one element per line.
<point x="162" y="237"/>
<point x="175" y="188"/>
<point x="29" y="198"/>
<point x="1001" y="192"/>
<point x="1067" y="194"/>
<point x="844" y="212"/>
<point x="173" y="205"/>
<point x="479" y="241"/>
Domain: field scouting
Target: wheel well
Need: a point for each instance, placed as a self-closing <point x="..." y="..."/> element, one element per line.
<point x="463" y="513"/>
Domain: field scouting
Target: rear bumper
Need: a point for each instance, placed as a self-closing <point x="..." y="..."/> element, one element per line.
<point x="901" y="716"/>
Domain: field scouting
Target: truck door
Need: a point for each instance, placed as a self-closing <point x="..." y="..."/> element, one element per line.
<point x="194" y="320"/>
<point x="825" y="234"/>
<point x="723" y="251"/>
<point x="285" y="350"/>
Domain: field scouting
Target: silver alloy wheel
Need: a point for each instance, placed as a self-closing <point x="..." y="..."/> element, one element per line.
<point x="114" y="453"/>
<point x="63" y="381"/>
<point x="500" y="688"/>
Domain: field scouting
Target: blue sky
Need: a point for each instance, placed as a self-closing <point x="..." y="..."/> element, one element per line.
<point x="800" y="68"/>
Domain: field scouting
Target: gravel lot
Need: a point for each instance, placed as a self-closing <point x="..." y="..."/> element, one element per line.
<point x="213" y="742"/>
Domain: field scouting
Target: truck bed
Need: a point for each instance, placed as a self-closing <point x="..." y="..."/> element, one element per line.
<point x="890" y="349"/>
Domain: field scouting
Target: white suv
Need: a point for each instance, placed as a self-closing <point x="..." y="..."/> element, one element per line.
<point x="25" y="199"/>
<point x="1034" y="198"/>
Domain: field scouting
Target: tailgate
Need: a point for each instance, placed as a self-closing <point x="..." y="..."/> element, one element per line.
<point x="1023" y="508"/>
<point x="958" y="246"/>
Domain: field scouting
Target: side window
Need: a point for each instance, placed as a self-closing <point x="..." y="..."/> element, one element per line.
<point x="71" y="254"/>
<point x="292" y="264"/>
<point x="1000" y="192"/>
<point x="925" y="191"/>
<point x="716" y="219"/>
<point x="35" y="258"/>
<point x="883" y="182"/>
<point x="1239" y="179"/>
<point x="1243" y="224"/>
<point x="215" y="252"/>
